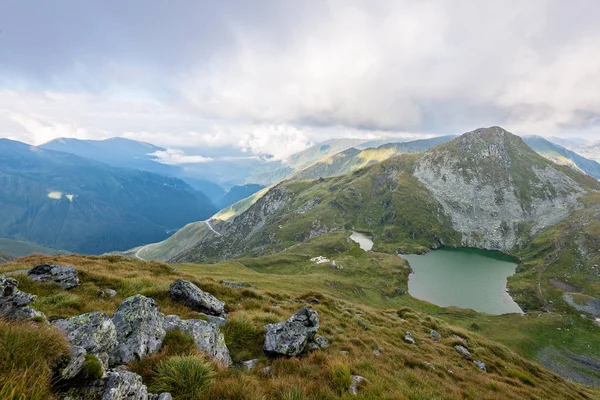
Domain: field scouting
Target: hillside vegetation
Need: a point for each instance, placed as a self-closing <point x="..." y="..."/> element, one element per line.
<point x="364" y="322"/>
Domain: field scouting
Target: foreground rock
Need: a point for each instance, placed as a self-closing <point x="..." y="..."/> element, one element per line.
<point x="292" y="337"/>
<point x="192" y="296"/>
<point x="14" y="303"/>
<point x="118" y="384"/>
<point x="64" y="276"/>
<point x="139" y="327"/>
<point x="76" y="360"/>
<point x="94" y="331"/>
<point x="207" y="336"/>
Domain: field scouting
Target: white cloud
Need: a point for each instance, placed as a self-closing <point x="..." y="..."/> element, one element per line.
<point x="178" y="157"/>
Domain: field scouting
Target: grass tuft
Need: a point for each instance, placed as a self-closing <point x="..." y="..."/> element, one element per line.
<point x="185" y="377"/>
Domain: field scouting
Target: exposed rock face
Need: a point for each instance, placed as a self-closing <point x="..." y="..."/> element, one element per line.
<point x="76" y="360"/>
<point x="14" y="303"/>
<point x="124" y="385"/>
<point x="207" y="336"/>
<point x="497" y="191"/>
<point x="64" y="276"/>
<point x="192" y="296"/>
<point x="139" y="327"/>
<point x="291" y="337"/>
<point x="94" y="331"/>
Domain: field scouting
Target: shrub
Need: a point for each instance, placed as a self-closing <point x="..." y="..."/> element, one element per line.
<point x="185" y="377"/>
<point x="243" y="338"/>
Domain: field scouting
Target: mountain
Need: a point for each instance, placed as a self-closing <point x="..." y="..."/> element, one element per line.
<point x="126" y="153"/>
<point x="63" y="201"/>
<point x="485" y="189"/>
<point x="237" y="193"/>
<point x="587" y="149"/>
<point x="19" y="248"/>
<point x="353" y="159"/>
<point x="563" y="156"/>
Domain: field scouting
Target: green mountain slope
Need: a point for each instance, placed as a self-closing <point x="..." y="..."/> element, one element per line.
<point x="67" y="202"/>
<point x="19" y="248"/>
<point x="563" y="156"/>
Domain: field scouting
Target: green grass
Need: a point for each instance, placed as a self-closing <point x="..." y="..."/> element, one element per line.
<point x="185" y="377"/>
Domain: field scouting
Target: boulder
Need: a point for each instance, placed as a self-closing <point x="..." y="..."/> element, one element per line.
<point x="94" y="331"/>
<point x="480" y="365"/>
<point x="291" y="337"/>
<point x="76" y="360"/>
<point x="207" y="336"/>
<point x="463" y="350"/>
<point x="139" y="326"/>
<point x="124" y="385"/>
<point x="356" y="381"/>
<point x="14" y="303"/>
<point x="250" y="364"/>
<point x="318" y="342"/>
<point x="219" y="321"/>
<point x="192" y="296"/>
<point x="64" y="276"/>
<point x="408" y="338"/>
<point x="435" y="336"/>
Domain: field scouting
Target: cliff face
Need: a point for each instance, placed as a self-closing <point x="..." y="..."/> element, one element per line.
<point x="498" y="192"/>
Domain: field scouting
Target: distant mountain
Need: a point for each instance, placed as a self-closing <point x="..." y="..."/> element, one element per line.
<point x="64" y="201"/>
<point x="237" y="193"/>
<point x="18" y="248"/>
<point x="563" y="156"/>
<point x="585" y="148"/>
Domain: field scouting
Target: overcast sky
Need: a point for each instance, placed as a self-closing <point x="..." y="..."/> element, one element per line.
<point x="273" y="76"/>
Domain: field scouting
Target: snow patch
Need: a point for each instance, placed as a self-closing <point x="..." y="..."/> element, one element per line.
<point x="56" y="195"/>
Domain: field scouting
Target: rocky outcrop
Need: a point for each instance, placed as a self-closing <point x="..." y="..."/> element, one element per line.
<point x="124" y="385"/>
<point x="76" y="360"/>
<point x="14" y="303"/>
<point x="207" y="336"/>
<point x="463" y="350"/>
<point x="192" y="296"/>
<point x="292" y="337"/>
<point x="139" y="327"/>
<point x="497" y="191"/>
<point x="94" y="331"/>
<point x="408" y="338"/>
<point x="64" y="276"/>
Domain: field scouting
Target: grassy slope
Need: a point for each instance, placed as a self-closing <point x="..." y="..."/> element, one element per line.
<point x="360" y="288"/>
<point x="19" y="248"/>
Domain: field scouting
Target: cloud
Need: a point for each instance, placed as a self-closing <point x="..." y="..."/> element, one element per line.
<point x="274" y="77"/>
<point x="178" y="157"/>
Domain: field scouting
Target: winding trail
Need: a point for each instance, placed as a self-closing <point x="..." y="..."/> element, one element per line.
<point x="207" y="222"/>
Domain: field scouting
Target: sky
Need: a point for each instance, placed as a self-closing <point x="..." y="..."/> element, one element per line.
<point x="272" y="77"/>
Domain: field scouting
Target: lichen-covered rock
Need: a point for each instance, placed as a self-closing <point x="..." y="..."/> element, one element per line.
<point x="292" y="336"/>
<point x="124" y="385"/>
<point x="162" y="396"/>
<point x="64" y="276"/>
<point x="76" y="360"/>
<point x="207" y="336"/>
<point x="319" y="342"/>
<point x="14" y="303"/>
<point x="139" y="326"/>
<point x="408" y="338"/>
<point x="192" y="296"/>
<point x="214" y="319"/>
<point x="94" y="331"/>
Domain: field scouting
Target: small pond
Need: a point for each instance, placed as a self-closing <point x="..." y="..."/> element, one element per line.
<point x="467" y="278"/>
<point x="364" y="241"/>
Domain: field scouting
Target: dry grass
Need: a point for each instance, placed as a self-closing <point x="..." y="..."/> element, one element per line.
<point x="399" y="372"/>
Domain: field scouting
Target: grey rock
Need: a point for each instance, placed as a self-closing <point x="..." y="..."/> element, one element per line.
<point x="124" y="385"/>
<point x="192" y="296"/>
<point x="408" y="338"/>
<point x="214" y="319"/>
<point x="139" y="327"/>
<point x="162" y="396"/>
<point x="363" y="324"/>
<point x="64" y="276"/>
<point x="317" y="343"/>
<point x="463" y="350"/>
<point x="356" y="380"/>
<point x="250" y="364"/>
<point x="94" y="331"/>
<point x="110" y="292"/>
<point x="237" y="285"/>
<point x="14" y="303"/>
<point x="480" y="365"/>
<point x="207" y="336"/>
<point x="76" y="360"/>
<point x="291" y="337"/>
<point x="462" y="339"/>
<point x="376" y="352"/>
<point x="428" y="364"/>
<point x="435" y="336"/>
